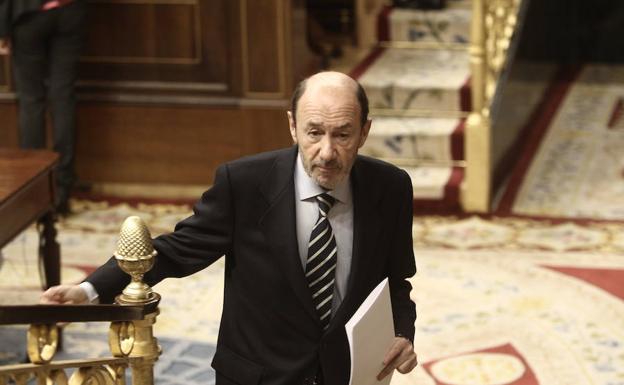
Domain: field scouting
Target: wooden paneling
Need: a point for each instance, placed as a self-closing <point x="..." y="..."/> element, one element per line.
<point x="137" y="28"/>
<point x="163" y="144"/>
<point x="5" y="73"/>
<point x="263" y="46"/>
<point x="193" y="47"/>
<point x="216" y="47"/>
<point x="8" y="125"/>
<point x="170" y="89"/>
<point x="143" y="144"/>
<point x="158" y="44"/>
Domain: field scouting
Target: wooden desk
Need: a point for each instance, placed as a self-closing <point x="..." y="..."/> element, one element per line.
<point x="27" y="196"/>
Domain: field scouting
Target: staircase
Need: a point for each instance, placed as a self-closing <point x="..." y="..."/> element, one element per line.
<point x="417" y="81"/>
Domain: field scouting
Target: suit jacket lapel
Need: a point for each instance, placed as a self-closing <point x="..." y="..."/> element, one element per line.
<point x="366" y="227"/>
<point x="278" y="223"/>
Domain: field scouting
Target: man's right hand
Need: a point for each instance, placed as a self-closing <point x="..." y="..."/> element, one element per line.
<point x="64" y="294"/>
<point x="5" y="46"/>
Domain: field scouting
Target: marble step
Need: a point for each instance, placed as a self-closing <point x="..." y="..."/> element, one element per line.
<point x="427" y="140"/>
<point x="436" y="189"/>
<point x="415" y="79"/>
<point x="449" y="25"/>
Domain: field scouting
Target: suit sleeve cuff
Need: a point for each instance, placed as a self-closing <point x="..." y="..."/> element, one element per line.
<point x="89" y="290"/>
<point x="406" y="337"/>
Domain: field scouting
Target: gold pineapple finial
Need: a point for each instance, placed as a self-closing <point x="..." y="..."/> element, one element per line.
<point x="135" y="255"/>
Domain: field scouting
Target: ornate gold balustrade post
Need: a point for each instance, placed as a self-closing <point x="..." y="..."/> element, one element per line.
<point x="135" y="255"/>
<point x="131" y="338"/>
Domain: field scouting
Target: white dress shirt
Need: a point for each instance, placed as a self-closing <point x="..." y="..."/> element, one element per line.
<point x="340" y="217"/>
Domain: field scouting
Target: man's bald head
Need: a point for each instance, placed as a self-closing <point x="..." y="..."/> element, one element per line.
<point x="332" y="125"/>
<point x="331" y="79"/>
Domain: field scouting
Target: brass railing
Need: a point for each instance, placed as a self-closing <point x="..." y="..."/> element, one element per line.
<point x="131" y="341"/>
<point x="493" y="25"/>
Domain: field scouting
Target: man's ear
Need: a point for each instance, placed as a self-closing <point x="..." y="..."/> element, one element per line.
<point x="292" y="126"/>
<point x="364" y="133"/>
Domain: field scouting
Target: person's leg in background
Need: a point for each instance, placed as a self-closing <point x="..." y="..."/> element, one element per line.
<point x="29" y="45"/>
<point x="64" y="51"/>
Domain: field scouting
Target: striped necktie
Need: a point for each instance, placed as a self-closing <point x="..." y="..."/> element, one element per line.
<point x="321" y="263"/>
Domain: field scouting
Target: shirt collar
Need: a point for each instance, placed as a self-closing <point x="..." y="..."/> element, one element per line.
<point x="308" y="188"/>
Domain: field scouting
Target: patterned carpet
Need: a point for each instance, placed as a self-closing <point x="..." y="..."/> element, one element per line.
<point x="578" y="170"/>
<point x="500" y="300"/>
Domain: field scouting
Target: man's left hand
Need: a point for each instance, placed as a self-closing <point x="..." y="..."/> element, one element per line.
<point x="401" y="357"/>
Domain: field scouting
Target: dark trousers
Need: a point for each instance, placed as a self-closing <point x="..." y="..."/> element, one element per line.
<point x="46" y="47"/>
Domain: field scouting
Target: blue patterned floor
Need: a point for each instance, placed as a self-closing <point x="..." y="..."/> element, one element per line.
<point x="185" y="362"/>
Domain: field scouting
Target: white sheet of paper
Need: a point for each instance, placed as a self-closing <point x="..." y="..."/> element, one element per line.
<point x="370" y="333"/>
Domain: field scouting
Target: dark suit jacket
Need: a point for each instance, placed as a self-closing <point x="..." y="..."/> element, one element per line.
<point x="12" y="10"/>
<point x="270" y="333"/>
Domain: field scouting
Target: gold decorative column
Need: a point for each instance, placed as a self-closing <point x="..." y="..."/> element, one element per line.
<point x="476" y="187"/>
<point x="136" y="256"/>
<point x="493" y="25"/>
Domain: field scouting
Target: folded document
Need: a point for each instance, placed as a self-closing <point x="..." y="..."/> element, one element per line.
<point x="371" y="332"/>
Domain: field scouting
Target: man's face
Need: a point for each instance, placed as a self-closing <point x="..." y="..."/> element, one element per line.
<point x="328" y="132"/>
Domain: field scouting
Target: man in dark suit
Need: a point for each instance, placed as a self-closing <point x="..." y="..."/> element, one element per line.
<point x="307" y="233"/>
<point x="45" y="38"/>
